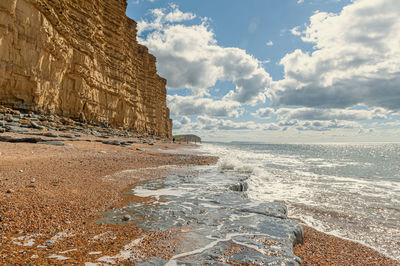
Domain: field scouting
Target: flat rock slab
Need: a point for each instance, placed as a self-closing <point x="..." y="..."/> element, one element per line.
<point x="8" y="138"/>
<point x="68" y="136"/>
<point x="219" y="226"/>
<point x="53" y="143"/>
<point x="15" y="129"/>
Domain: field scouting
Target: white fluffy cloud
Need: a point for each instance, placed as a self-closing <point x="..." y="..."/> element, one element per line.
<point x="264" y="112"/>
<point x="350" y="79"/>
<point x="331" y="114"/>
<point x="305" y="113"/>
<point x="136" y="2"/>
<point x="189" y="57"/>
<point x="161" y="16"/>
<point x="356" y="59"/>
<point x="319" y="119"/>
<point x="177" y="15"/>
<point x="194" y="105"/>
<point x="207" y="123"/>
<point x="182" y="123"/>
<point x="327" y="125"/>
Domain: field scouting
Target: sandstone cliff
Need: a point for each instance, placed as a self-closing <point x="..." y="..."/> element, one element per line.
<point x="80" y="59"/>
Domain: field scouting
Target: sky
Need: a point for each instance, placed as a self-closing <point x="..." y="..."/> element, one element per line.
<point x="277" y="71"/>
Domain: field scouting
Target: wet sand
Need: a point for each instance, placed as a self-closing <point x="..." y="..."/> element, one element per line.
<point x="50" y="198"/>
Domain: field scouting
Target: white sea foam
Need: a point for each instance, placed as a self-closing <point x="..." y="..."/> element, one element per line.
<point x="339" y="189"/>
<point x="142" y="192"/>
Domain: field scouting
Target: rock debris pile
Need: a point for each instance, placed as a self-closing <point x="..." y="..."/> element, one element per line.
<point x="41" y="129"/>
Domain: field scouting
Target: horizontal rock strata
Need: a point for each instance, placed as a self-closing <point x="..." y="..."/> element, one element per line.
<point x="80" y="59"/>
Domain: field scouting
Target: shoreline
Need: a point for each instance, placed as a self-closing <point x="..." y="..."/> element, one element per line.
<point x="320" y="248"/>
<point x="51" y="197"/>
<point x="52" y="218"/>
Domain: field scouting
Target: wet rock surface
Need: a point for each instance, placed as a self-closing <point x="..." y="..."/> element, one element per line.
<point x="218" y="225"/>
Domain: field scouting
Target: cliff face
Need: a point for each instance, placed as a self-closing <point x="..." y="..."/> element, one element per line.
<point x="80" y="59"/>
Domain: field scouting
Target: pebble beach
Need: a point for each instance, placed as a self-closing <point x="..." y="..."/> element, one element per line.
<point x="51" y="198"/>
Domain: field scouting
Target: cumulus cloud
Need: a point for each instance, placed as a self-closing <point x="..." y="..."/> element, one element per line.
<point x="318" y="125"/>
<point x="162" y="16"/>
<point x="136" y="2"/>
<point x="305" y="113"/>
<point x="208" y="123"/>
<point x="189" y="57"/>
<point x="177" y="15"/>
<point x="327" y="125"/>
<point x="193" y="105"/>
<point x="182" y="122"/>
<point x="351" y="76"/>
<point x="264" y="112"/>
<point x="205" y="123"/>
<point x="331" y="114"/>
<point x="319" y="119"/>
<point x="356" y="59"/>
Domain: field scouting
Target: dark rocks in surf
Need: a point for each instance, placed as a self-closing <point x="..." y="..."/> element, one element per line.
<point x="239" y="187"/>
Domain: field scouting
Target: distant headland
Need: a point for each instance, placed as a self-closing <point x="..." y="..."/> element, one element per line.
<point x="187" y="138"/>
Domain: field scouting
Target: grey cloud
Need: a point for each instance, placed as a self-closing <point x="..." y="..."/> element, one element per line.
<point x="288" y="123"/>
<point x="192" y="105"/>
<point x="182" y="73"/>
<point x="185" y="120"/>
<point x="326" y="125"/>
<point x="331" y="114"/>
<point x="374" y="92"/>
<point x="181" y="123"/>
<point x="177" y="124"/>
<point x="205" y="122"/>
<point x="264" y="112"/>
<point x="248" y="88"/>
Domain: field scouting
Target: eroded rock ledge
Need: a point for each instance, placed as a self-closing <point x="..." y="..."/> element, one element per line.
<point x="80" y="59"/>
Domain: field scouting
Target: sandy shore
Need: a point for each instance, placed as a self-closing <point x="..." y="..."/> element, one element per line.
<point x="50" y="198"/>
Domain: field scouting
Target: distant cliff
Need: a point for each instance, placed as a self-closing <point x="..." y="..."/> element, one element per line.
<point x="187" y="138"/>
<point x="80" y="59"/>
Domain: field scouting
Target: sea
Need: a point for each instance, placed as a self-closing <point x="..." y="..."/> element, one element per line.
<point x="347" y="190"/>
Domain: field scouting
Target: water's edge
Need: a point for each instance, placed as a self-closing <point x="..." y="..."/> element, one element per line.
<point x="349" y="190"/>
<point x="219" y="223"/>
<point x="217" y="206"/>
